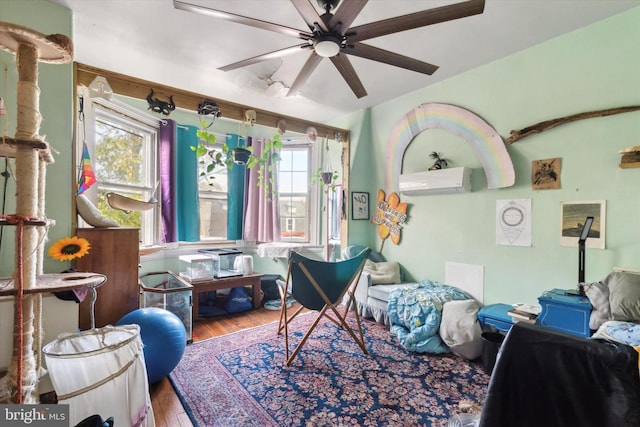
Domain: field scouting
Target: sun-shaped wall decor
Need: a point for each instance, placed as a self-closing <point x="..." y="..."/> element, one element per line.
<point x="389" y="216"/>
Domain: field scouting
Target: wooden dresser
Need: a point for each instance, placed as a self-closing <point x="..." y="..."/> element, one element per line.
<point x="115" y="253"/>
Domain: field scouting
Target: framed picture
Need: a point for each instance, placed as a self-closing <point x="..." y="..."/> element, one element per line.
<point x="359" y="205"/>
<point x="545" y="174"/>
<point x="572" y="219"/>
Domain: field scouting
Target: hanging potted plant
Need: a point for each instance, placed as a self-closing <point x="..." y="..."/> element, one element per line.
<point x="327" y="179"/>
<point x="326" y="176"/>
<point x="240" y="155"/>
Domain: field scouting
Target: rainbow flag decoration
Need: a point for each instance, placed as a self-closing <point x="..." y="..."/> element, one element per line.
<point x="87" y="175"/>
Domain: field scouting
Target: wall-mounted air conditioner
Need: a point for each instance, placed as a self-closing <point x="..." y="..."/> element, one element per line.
<point x="441" y="181"/>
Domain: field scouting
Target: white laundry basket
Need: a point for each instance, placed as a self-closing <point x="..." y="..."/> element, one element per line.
<point x="101" y="371"/>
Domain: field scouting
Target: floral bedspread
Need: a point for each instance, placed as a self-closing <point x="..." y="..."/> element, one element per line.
<point x="622" y="332"/>
<point x="415" y="314"/>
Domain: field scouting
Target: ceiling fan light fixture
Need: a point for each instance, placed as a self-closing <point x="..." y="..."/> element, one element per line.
<point x="327" y="46"/>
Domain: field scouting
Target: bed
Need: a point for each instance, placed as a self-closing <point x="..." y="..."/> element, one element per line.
<point x="547" y="378"/>
<point x="432" y="317"/>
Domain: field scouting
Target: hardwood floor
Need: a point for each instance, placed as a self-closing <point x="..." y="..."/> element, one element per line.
<point x="167" y="409"/>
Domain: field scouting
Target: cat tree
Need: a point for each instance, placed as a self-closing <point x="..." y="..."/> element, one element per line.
<point x="32" y="154"/>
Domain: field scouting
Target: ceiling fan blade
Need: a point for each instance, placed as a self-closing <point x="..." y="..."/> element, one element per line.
<point x="305" y="73"/>
<point x="391" y="58"/>
<point x="349" y="75"/>
<point x="415" y="20"/>
<point x="346" y="14"/>
<point x="256" y="23"/>
<point x="275" y="54"/>
<point x="309" y="14"/>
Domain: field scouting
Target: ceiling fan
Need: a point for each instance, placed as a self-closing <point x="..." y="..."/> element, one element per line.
<point x="331" y="35"/>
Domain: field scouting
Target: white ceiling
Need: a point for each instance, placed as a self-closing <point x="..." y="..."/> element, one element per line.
<point x="152" y="40"/>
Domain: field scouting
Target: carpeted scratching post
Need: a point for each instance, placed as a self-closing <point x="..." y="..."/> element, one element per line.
<point x="30" y="47"/>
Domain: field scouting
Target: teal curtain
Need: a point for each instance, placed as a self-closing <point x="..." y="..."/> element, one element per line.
<point x="187" y="202"/>
<point x="235" y="193"/>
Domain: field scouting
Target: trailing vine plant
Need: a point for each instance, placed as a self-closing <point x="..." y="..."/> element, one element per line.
<point x="207" y="156"/>
<point x="210" y="158"/>
<point x="269" y="156"/>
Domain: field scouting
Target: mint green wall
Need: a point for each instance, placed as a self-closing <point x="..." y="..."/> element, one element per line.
<point x="361" y="174"/>
<point x="56" y="108"/>
<point x="594" y="68"/>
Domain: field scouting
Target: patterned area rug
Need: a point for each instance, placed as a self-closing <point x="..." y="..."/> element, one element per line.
<point x="241" y="380"/>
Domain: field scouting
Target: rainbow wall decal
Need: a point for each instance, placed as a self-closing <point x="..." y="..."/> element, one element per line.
<point x="486" y="143"/>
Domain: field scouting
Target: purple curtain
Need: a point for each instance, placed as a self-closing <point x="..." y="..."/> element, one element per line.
<point x="167" y="179"/>
<point x="262" y="214"/>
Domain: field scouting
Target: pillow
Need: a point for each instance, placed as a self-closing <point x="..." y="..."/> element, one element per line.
<point x="91" y="214"/>
<point x="624" y="296"/>
<point x="598" y="294"/>
<point x="460" y="329"/>
<point x="382" y="272"/>
<point x="353" y="250"/>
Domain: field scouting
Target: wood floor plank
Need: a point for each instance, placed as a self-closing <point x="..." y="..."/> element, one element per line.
<point x="167" y="409"/>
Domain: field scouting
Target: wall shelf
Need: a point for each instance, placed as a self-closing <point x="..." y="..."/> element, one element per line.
<point x="630" y="165"/>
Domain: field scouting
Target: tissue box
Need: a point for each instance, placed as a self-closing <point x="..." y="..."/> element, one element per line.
<point x="196" y="267"/>
<point x="167" y="291"/>
<point x="226" y="262"/>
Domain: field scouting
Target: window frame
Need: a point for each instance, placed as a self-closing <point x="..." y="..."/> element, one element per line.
<point x="118" y="112"/>
<point x="313" y="195"/>
<point x="211" y="194"/>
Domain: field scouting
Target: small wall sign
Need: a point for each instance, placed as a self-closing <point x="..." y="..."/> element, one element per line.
<point x="389" y="216"/>
<point x="359" y="205"/>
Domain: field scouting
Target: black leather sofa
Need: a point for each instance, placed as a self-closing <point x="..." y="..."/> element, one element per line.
<point x="544" y="378"/>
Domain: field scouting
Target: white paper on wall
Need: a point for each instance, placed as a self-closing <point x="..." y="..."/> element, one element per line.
<point x="513" y="222"/>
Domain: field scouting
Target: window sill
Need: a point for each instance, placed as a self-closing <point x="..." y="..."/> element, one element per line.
<point x="174" y="250"/>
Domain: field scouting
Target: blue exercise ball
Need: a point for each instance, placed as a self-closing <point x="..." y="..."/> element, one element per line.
<point x="163" y="336"/>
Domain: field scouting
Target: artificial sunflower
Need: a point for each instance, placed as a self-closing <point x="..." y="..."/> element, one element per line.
<point x="69" y="248"/>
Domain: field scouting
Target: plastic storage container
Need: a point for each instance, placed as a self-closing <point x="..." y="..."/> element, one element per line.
<point x="464" y="420"/>
<point x="170" y="292"/>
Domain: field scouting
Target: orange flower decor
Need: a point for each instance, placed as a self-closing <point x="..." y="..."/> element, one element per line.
<point x="69" y="248"/>
<point x="390" y="214"/>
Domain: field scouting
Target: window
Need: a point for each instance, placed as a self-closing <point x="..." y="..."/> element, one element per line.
<point x="212" y="188"/>
<point x="297" y="200"/>
<point x="125" y="162"/>
<point x="124" y="152"/>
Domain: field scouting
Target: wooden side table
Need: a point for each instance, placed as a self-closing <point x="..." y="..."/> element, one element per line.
<point x="565" y="313"/>
<point x="252" y="280"/>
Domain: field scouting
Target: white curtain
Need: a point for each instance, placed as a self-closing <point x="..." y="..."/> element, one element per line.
<point x="262" y="214"/>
